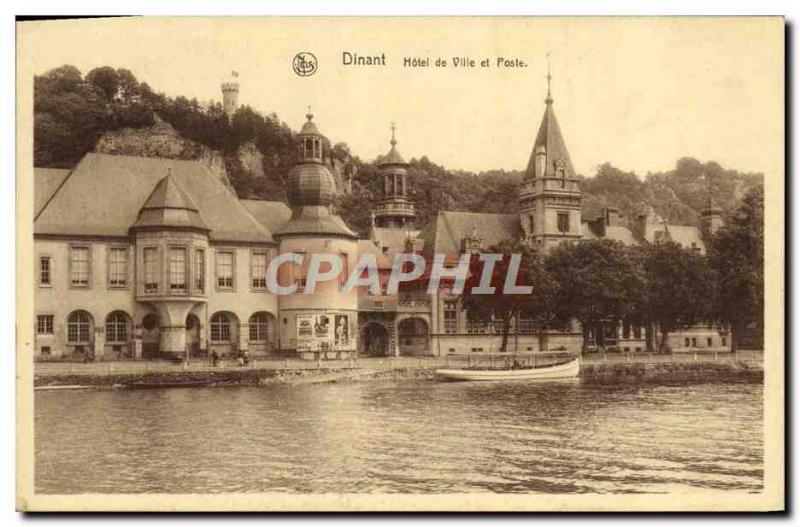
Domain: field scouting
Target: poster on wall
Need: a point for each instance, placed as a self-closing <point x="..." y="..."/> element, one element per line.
<point x="322" y="327"/>
<point x="305" y="326"/>
<point x="342" y="332"/>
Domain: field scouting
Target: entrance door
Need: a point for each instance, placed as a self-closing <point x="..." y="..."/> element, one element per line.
<point x="375" y="341"/>
<point x="193" y="335"/>
<point x="150" y="336"/>
<point x="413" y="335"/>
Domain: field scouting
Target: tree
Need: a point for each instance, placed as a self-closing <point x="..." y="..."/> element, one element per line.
<point x="105" y="79"/>
<point x="736" y="254"/>
<point x="596" y="283"/>
<point x="506" y="307"/>
<point x="677" y="288"/>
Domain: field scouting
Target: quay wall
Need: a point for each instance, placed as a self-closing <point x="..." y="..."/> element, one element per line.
<point x="674" y="372"/>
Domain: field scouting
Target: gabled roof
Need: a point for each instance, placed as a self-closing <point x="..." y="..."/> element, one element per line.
<point x="46" y="182"/>
<point x="169" y="206"/>
<point x="445" y="233"/>
<point x="271" y="214"/>
<point x="550" y="138"/>
<point x="104" y="194"/>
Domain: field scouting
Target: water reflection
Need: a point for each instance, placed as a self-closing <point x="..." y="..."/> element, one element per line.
<point x="401" y="437"/>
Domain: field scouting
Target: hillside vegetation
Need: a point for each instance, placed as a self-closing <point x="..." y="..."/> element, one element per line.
<point x="72" y="110"/>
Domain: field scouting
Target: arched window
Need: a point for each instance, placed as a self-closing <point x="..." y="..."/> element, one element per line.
<point x="260" y="327"/>
<point x="79" y="327"/>
<point x="117" y="327"/>
<point x="220" y="327"/>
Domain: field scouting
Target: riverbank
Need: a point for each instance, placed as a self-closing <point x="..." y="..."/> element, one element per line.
<point x="675" y="371"/>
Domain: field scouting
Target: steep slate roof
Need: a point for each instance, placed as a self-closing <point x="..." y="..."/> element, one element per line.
<point x="104" y="193"/>
<point x="170" y="206"/>
<point x="369" y="247"/>
<point x="271" y="214"/>
<point x="550" y="137"/>
<point x="685" y="236"/>
<point x="444" y="234"/>
<point x="392" y="158"/>
<point x="45" y="183"/>
<point x="314" y="220"/>
<point x="395" y="239"/>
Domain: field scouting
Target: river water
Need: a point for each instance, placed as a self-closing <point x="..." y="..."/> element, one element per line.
<point x="410" y="436"/>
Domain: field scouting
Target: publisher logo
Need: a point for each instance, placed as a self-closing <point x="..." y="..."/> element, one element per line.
<point x="304" y="64"/>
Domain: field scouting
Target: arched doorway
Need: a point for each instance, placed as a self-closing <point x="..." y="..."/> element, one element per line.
<point x="375" y="340"/>
<point x="413" y="336"/>
<point x="80" y="335"/>
<point x="150" y="336"/>
<point x="119" y="334"/>
<point x="193" y="335"/>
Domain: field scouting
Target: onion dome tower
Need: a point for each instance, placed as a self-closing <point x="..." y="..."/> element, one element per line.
<point x="323" y="322"/>
<point x="311" y="190"/>
<point x="394" y="210"/>
<point x="549" y="197"/>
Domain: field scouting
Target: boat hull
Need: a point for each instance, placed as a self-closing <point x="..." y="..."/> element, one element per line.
<point x="567" y="370"/>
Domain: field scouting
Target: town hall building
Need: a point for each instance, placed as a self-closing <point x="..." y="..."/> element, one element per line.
<point x="153" y="257"/>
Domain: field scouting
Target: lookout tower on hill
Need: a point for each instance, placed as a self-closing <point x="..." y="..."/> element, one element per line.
<point x="230" y="94"/>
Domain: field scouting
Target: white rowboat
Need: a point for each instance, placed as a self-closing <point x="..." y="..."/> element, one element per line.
<point x="566" y="370"/>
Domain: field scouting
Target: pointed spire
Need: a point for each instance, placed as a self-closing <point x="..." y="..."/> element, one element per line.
<point x="393" y="141"/>
<point x="309" y="115"/>
<point x="549" y="99"/>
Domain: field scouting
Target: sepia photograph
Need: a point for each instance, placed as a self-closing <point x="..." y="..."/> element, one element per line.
<point x="400" y="263"/>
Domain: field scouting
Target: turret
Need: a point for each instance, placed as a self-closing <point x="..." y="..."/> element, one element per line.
<point x="394" y="210"/>
<point x="549" y="203"/>
<point x="230" y="94"/>
<point x="711" y="218"/>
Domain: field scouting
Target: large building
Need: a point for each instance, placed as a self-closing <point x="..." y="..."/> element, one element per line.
<point x="155" y="257"/>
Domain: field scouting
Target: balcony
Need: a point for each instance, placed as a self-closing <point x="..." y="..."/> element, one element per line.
<point x="394" y="303"/>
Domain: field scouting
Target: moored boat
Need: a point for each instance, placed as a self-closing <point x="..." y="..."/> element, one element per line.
<point x="565" y="370"/>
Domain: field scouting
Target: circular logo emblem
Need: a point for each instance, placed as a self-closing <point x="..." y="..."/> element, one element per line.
<point x="304" y="64"/>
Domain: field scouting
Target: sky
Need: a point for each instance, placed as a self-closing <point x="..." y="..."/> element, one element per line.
<point x="638" y="93"/>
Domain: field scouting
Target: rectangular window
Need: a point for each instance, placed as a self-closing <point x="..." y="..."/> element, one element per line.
<point x="200" y="270"/>
<point x="686" y="342"/>
<point x="694" y="342"/>
<point x="177" y="269"/>
<point x="626" y="331"/>
<point x="150" y="256"/>
<point x="46" y="350"/>
<point x="450" y="317"/>
<point x="118" y="267"/>
<point x="477" y="325"/>
<point x="637" y="332"/>
<point x="225" y="270"/>
<point x="299" y="272"/>
<point x="79" y="266"/>
<point x="258" y="270"/>
<point x="710" y="342"/>
<point x="345" y="272"/>
<point x="44" y="324"/>
<point x="526" y="325"/>
<point x="563" y="222"/>
<point x="724" y="341"/>
<point x="44" y="270"/>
